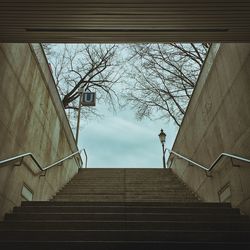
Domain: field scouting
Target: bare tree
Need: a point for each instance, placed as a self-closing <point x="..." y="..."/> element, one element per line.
<point x="163" y="77"/>
<point x="92" y="66"/>
<point x="160" y="77"/>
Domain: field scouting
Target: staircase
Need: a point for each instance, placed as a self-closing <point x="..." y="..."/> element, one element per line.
<point x="125" y="185"/>
<point x="125" y="209"/>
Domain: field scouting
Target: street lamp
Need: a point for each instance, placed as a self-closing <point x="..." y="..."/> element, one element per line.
<point x="162" y="137"/>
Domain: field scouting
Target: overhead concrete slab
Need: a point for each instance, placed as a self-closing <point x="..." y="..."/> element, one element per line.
<point x="124" y="21"/>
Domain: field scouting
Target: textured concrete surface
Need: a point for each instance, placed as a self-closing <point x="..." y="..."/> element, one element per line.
<point x="218" y="120"/>
<point x="31" y="120"/>
<point x="126" y="185"/>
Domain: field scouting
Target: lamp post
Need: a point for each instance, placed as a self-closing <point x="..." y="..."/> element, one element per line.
<point x="80" y="91"/>
<point x="162" y="137"/>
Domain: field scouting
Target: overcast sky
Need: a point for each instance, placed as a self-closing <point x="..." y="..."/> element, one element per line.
<point x="119" y="140"/>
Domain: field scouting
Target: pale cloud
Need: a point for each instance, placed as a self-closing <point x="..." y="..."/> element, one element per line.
<point x="116" y="128"/>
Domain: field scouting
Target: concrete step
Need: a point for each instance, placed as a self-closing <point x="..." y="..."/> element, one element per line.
<point x="127" y="204"/>
<point x="126" y="176"/>
<point x="111" y="183"/>
<point x="122" y="182"/>
<point x="181" y="193"/>
<point x="128" y="182"/>
<point x="100" y="178"/>
<point x="125" y="216"/>
<point x="122" y="245"/>
<point x="124" y="209"/>
<point x="124" y="235"/>
<point x="128" y="225"/>
<point x="122" y="198"/>
<point x="91" y="197"/>
<point x="136" y="180"/>
<point x="162" y="188"/>
<point x="110" y="189"/>
<point x="126" y="179"/>
<point x="132" y="171"/>
<point x="150" y="195"/>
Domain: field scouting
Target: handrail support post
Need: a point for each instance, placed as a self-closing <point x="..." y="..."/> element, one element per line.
<point x="233" y="164"/>
<point x="20" y="162"/>
<point x="208" y="174"/>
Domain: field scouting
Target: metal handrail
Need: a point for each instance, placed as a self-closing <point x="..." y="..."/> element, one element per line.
<point x="208" y="169"/>
<point x="86" y="158"/>
<point x="42" y="169"/>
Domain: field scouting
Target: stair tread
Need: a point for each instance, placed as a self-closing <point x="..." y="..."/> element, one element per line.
<point x="106" y="235"/>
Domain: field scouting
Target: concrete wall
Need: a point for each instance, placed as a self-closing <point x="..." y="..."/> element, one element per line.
<point x="218" y="120"/>
<point x="32" y="119"/>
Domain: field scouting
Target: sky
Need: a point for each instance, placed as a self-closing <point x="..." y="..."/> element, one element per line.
<point x="119" y="140"/>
